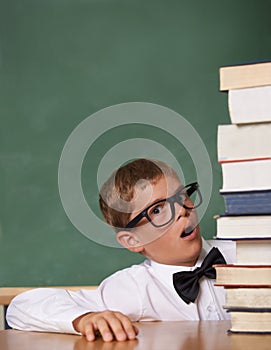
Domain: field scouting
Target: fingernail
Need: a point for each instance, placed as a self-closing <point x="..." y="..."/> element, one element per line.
<point x="108" y="336"/>
<point x="121" y="336"/>
<point x="131" y="335"/>
<point x="90" y="337"/>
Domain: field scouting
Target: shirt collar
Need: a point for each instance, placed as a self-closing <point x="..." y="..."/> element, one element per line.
<point x="165" y="272"/>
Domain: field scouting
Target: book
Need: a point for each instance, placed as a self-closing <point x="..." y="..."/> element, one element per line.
<point x="243" y="275"/>
<point x="245" y="226"/>
<point x="253" y="252"/>
<point x="250" y="320"/>
<point x="245" y="75"/>
<point x="247" y="175"/>
<point x="251" y="105"/>
<point x="247" y="202"/>
<point x="249" y="341"/>
<point x="243" y="142"/>
<point x="244" y="152"/>
<point x="248" y="297"/>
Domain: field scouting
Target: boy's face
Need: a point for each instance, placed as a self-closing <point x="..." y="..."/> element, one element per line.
<point x="168" y="244"/>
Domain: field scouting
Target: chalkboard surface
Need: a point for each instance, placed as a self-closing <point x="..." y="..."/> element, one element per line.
<point x="63" y="60"/>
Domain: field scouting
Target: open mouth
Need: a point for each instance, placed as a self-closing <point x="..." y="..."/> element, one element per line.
<point x="187" y="231"/>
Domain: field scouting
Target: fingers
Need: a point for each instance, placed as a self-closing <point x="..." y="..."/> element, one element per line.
<point x="81" y="343"/>
<point x="108" y="324"/>
<point x="115" y="325"/>
<point x="89" y="332"/>
<point x="127" y="325"/>
<point x="102" y="325"/>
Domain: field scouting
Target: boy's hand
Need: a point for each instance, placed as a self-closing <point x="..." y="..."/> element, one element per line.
<point x="109" y="324"/>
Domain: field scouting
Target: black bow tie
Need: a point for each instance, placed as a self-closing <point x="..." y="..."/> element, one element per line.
<point x="186" y="283"/>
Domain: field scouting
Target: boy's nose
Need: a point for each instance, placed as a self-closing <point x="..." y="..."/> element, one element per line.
<point x="181" y="212"/>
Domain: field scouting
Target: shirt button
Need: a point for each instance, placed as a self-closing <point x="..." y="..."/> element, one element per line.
<point x="211" y="308"/>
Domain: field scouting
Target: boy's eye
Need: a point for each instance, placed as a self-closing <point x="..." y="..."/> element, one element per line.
<point x="156" y="210"/>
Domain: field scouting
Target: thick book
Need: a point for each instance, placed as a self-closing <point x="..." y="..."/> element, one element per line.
<point x="241" y="227"/>
<point x="251" y="105"/>
<point x="253" y="252"/>
<point x="243" y="142"/>
<point x="248" y="297"/>
<point x="247" y="175"/>
<point x="250" y="320"/>
<point x="244" y="76"/>
<point x="229" y="275"/>
<point x="247" y="202"/>
<point x="249" y="341"/>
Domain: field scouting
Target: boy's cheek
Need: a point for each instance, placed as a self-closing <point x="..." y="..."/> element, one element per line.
<point x="193" y="218"/>
<point x="150" y="235"/>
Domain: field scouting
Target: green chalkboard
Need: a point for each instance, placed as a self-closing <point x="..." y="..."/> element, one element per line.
<point x="63" y="60"/>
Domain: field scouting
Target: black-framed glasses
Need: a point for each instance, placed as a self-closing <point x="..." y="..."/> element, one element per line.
<point x="162" y="212"/>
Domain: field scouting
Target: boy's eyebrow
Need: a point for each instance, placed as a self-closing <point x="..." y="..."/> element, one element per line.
<point x="156" y="201"/>
<point x="163" y="198"/>
<point x="153" y="202"/>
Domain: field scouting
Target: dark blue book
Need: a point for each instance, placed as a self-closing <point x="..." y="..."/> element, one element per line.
<point x="247" y="202"/>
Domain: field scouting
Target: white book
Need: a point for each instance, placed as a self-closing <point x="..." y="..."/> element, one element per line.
<point x="253" y="252"/>
<point x="244" y="321"/>
<point x="243" y="142"/>
<point x="246" y="175"/>
<point x="242" y="227"/>
<point x="250" y="105"/>
<point x="248" y="297"/>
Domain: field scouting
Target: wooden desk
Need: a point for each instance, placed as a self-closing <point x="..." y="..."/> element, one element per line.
<point x="184" y="335"/>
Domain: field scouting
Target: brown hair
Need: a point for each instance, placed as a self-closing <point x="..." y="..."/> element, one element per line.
<point x="120" y="187"/>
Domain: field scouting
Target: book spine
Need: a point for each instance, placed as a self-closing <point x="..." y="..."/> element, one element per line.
<point x="245" y="75"/>
<point x="239" y="160"/>
<point x="249" y="309"/>
<point x="247" y="203"/>
<point x="240" y="285"/>
<point x="248" y="332"/>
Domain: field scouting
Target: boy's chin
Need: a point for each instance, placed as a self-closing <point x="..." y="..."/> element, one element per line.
<point x="193" y="257"/>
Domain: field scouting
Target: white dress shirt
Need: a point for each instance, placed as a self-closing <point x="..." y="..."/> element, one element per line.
<point x="143" y="292"/>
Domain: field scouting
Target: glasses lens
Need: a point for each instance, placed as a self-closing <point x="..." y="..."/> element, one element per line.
<point x="192" y="197"/>
<point x="160" y="213"/>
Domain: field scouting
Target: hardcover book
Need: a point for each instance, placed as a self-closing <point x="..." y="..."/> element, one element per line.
<point x="247" y="202"/>
<point x="250" y="320"/>
<point x="248" y="297"/>
<point x="243" y="275"/>
<point x="240" y="227"/>
<point x="253" y="252"/>
<point x="247" y="176"/>
<point x="251" y="105"/>
<point x="244" y="152"/>
<point x="243" y="142"/>
<point x="245" y="75"/>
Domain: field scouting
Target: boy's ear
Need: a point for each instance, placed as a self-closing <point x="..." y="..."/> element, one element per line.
<point x="129" y="241"/>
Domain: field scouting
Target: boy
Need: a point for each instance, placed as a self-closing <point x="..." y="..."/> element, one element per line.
<point x="152" y="214"/>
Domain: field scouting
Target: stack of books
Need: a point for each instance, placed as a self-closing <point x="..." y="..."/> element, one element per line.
<point x="244" y="152"/>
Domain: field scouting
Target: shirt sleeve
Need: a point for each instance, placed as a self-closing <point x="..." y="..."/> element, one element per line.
<point x="53" y="309"/>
